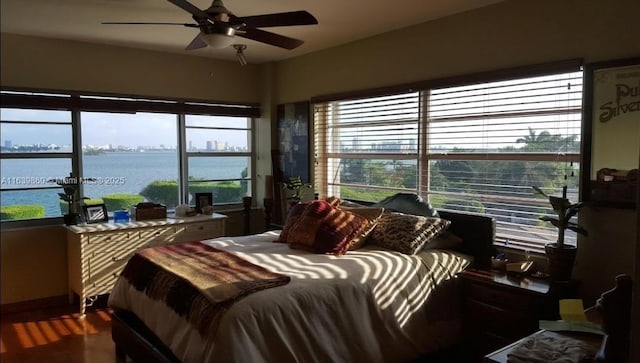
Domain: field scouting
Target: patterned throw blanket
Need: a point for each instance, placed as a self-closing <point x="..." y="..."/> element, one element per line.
<point x="197" y="281"/>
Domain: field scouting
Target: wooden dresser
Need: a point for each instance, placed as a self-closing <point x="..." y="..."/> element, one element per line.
<point x="98" y="252"/>
<point x="500" y="309"/>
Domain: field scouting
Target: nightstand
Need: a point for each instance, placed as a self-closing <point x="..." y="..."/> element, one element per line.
<point x="499" y="309"/>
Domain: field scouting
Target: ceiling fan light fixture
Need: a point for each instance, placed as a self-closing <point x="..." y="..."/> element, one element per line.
<point x="217" y="41"/>
<point x="240" y="53"/>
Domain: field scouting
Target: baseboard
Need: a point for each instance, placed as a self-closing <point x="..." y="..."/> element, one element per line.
<point x="30" y="305"/>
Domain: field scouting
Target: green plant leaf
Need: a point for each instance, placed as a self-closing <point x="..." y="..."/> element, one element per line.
<point x="577" y="228"/>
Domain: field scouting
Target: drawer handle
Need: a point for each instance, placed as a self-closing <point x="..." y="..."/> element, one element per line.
<point x="201" y="228"/>
<point x="115" y="275"/>
<point x="158" y="233"/>
<point x="108" y="238"/>
<point x="115" y="259"/>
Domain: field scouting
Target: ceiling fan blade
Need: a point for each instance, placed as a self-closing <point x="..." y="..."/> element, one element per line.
<point x="190" y="8"/>
<point x="145" y="23"/>
<point x="279" y="19"/>
<point x="196" y="43"/>
<point x="270" y="38"/>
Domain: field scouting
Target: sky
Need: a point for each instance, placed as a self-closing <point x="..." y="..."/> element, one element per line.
<point x="140" y="129"/>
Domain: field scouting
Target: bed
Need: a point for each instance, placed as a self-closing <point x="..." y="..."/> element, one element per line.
<point x="371" y="304"/>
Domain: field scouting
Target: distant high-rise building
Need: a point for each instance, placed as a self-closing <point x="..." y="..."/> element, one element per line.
<point x="190" y="145"/>
<point x="8" y="144"/>
<point x="219" y="145"/>
<point x="209" y="145"/>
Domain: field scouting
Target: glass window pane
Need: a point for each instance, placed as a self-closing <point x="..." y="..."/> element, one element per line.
<point x="218" y="121"/>
<point x="30" y="204"/>
<point x="133" y="158"/>
<point x="228" y="178"/>
<point x="28" y="138"/>
<point x="20" y="114"/>
<point x="33" y="173"/>
<point x="217" y="140"/>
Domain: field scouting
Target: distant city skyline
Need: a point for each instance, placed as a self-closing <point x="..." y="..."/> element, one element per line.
<point x="130" y="130"/>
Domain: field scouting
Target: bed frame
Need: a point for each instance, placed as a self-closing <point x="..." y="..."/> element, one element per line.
<point x="133" y="339"/>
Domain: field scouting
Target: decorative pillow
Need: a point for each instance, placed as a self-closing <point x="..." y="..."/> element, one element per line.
<point x="408" y="203"/>
<point x="372" y="214"/>
<point x="446" y="240"/>
<point x="350" y="204"/>
<point x="292" y="217"/>
<point x="323" y="228"/>
<point x="407" y="233"/>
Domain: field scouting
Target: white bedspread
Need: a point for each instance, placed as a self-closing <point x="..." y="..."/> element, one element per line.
<point x="370" y="305"/>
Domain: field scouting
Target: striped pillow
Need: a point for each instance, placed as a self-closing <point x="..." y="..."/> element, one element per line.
<point x="320" y="227"/>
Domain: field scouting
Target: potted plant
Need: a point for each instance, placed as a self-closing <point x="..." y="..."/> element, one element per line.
<point x="295" y="184"/>
<point x="71" y="195"/>
<point x="561" y="256"/>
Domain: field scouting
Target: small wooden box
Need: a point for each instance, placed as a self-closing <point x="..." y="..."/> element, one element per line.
<point x="146" y="211"/>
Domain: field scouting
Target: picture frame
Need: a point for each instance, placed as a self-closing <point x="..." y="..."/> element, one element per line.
<point x="292" y="157"/>
<point x="293" y="141"/>
<point x="610" y="141"/>
<point x="96" y="213"/>
<point x="202" y="200"/>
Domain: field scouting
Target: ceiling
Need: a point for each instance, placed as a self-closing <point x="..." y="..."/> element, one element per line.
<point x="339" y="22"/>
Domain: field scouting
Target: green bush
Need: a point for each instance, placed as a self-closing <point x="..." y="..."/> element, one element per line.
<point x="21" y="211"/>
<point x="64" y="206"/>
<point x="472" y="206"/>
<point x="162" y="191"/>
<point x="223" y="192"/>
<point x="115" y="202"/>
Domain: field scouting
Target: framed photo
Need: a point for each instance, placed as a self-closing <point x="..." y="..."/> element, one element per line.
<point x="612" y="119"/>
<point x="95" y="213"/>
<point x="203" y="200"/>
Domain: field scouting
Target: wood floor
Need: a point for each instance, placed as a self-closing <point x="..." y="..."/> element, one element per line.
<point x="57" y="335"/>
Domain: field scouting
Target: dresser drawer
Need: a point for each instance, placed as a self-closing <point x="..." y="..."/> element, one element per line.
<point x="204" y="230"/>
<point x="160" y="235"/>
<point x="505" y="323"/>
<point x="501" y="298"/>
<point x="103" y="268"/>
<point x="112" y="241"/>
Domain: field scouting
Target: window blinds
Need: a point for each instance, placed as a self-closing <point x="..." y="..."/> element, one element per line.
<point x="477" y="147"/>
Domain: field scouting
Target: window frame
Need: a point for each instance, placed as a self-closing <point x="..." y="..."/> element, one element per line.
<point x="424" y="156"/>
<point x="77" y="102"/>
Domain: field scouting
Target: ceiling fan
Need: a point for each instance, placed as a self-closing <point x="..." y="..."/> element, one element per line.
<point x="218" y="26"/>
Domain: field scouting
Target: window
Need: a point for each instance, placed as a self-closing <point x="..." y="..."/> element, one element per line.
<point x="130" y="156"/>
<point x="476" y="147"/>
<point x="134" y="149"/>
<point x="36" y="147"/>
<point x="219" y="157"/>
<point x="367" y="148"/>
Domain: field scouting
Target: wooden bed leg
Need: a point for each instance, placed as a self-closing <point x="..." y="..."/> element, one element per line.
<point x="121" y="356"/>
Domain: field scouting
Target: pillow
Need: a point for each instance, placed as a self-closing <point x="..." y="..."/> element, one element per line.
<point x="350" y="204"/>
<point x="407" y="203"/>
<point x="323" y="228"/>
<point x="294" y="214"/>
<point x="447" y="240"/>
<point x="407" y="233"/>
<point x="372" y="214"/>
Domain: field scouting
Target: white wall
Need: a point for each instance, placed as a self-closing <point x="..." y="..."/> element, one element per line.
<point x="69" y="65"/>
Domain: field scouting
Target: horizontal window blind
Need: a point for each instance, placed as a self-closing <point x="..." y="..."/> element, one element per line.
<point x="478" y="148"/>
<point x="367" y="149"/>
<point x="489" y="143"/>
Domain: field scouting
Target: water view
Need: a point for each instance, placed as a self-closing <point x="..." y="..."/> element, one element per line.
<point x="115" y="172"/>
